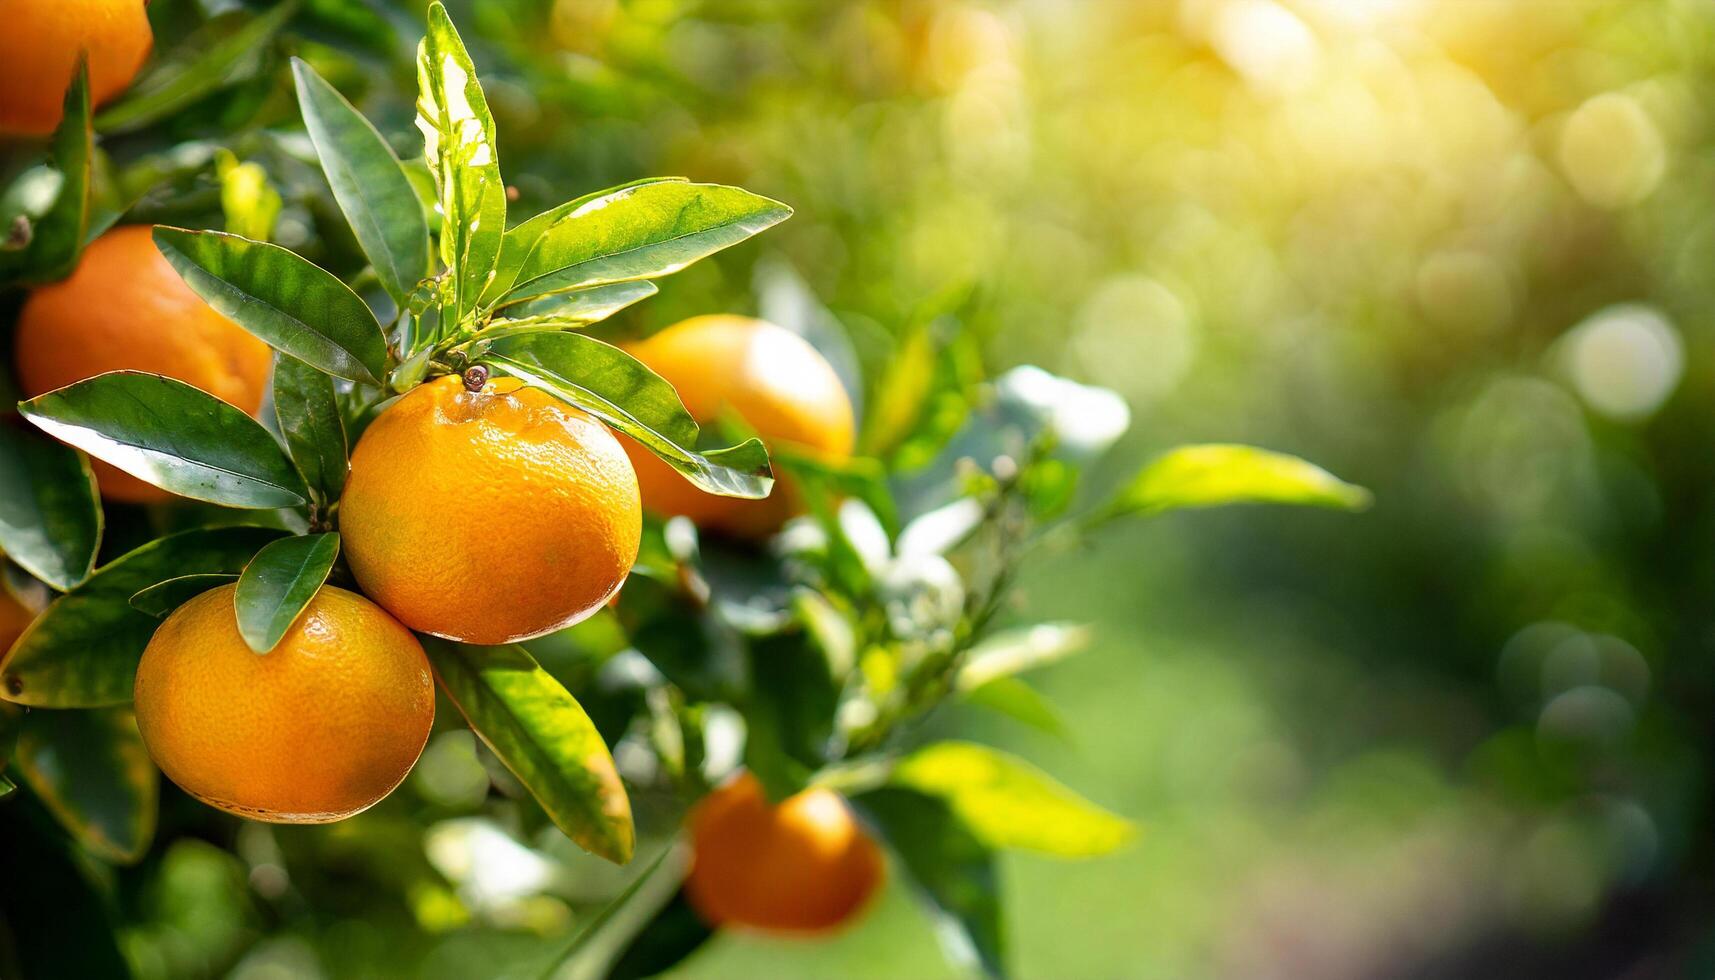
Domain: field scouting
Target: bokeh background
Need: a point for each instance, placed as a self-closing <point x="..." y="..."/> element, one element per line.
<point x="1458" y="251"/>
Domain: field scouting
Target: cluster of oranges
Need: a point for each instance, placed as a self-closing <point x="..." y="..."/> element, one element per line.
<point x="483" y="513"/>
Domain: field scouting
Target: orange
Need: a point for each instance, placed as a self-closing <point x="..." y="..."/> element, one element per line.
<point x="771" y="378"/>
<point x="14" y="617"/>
<point x="39" y="48"/>
<point x="124" y="308"/>
<point x="320" y="728"/>
<point x="490" y="516"/>
<point x="805" y="865"/>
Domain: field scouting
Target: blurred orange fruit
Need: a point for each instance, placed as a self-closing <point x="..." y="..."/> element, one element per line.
<point x="320" y="728"/>
<point x="39" y="49"/>
<point x="491" y="516"/>
<point x="767" y="375"/>
<point x="124" y="308"/>
<point x="14" y="617"/>
<point x="805" y="865"/>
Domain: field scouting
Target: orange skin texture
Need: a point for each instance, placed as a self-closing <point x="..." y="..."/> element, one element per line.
<point x="14" y="618"/>
<point x="318" y="729"/>
<point x="769" y="376"/>
<point x="489" y="517"/>
<point x="39" y="49"/>
<point x="124" y="308"/>
<point x="803" y="866"/>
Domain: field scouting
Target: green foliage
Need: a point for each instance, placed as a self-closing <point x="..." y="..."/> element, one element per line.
<point x="89" y="768"/>
<point x="278" y="585"/>
<point x="306" y="407"/>
<point x="226" y="49"/>
<point x="50" y="516"/>
<point x="1211" y="476"/>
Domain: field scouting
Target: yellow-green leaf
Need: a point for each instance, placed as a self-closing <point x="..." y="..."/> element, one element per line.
<point x="1213" y="475"/>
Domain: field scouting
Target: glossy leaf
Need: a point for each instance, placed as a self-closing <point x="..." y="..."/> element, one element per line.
<point x="215" y="55"/>
<point x="953" y="870"/>
<point x="1016" y="651"/>
<point x="1008" y="803"/>
<point x="458" y="143"/>
<point x="159" y="600"/>
<point x="582" y="307"/>
<point x="1213" y="475"/>
<point x="90" y="769"/>
<point x="617" y="388"/>
<point x="641" y="232"/>
<point x="59" y="235"/>
<point x="172" y="435"/>
<point x="521" y="240"/>
<point x="309" y="418"/>
<point x="50" y="514"/>
<point x="82" y="651"/>
<point x="278" y="583"/>
<point x="289" y="302"/>
<point x="544" y="737"/>
<point x="368" y="182"/>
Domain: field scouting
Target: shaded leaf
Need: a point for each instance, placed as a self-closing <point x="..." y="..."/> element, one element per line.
<point x="289" y="302"/>
<point x="1008" y="803"/>
<point x="789" y="717"/>
<point x="1019" y="701"/>
<point x="91" y="771"/>
<point x="58" y="926"/>
<point x="159" y="600"/>
<point x="641" y="232"/>
<point x="1016" y="651"/>
<point x="278" y="583"/>
<point x="368" y="183"/>
<point x="309" y="418"/>
<point x="1212" y="475"/>
<point x="618" y="389"/>
<point x="217" y="54"/>
<point x="667" y="939"/>
<point x="544" y="737"/>
<point x="60" y="234"/>
<point x="82" y="651"/>
<point x="50" y="513"/>
<point x="172" y="435"/>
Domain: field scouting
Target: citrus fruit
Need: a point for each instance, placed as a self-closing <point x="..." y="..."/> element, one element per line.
<point x="804" y="865"/>
<point x="124" y="308"/>
<point x="39" y="50"/>
<point x="772" y="379"/>
<point x="14" y="617"/>
<point x="319" y="728"/>
<point x="489" y="516"/>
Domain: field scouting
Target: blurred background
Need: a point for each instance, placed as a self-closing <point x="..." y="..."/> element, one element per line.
<point x="1458" y="251"/>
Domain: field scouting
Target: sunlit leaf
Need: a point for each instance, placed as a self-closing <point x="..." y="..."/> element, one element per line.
<point x="50" y="515"/>
<point x="221" y="52"/>
<point x="82" y="651"/>
<point x="1020" y="702"/>
<point x="278" y="583"/>
<point x="92" y="772"/>
<point x="458" y="142"/>
<point x="286" y="300"/>
<point x="544" y="737"/>
<point x="305" y="407"/>
<point x="1016" y="651"/>
<point x="1212" y="475"/>
<point x="641" y="232"/>
<point x="581" y="307"/>
<point x="159" y="600"/>
<point x="1008" y="803"/>
<point x="368" y="183"/>
<point x="618" y="389"/>
<point x="172" y="435"/>
<point x="249" y="202"/>
<point x="521" y="239"/>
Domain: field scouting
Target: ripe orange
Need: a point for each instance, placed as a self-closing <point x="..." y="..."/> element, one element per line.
<point x="489" y="517"/>
<point x="39" y="49"/>
<point x="318" y="729"/>
<point x="770" y="377"/>
<point x="14" y="617"/>
<point x="805" y="865"/>
<point x="125" y="309"/>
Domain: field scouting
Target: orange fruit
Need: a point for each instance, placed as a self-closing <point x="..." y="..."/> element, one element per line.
<point x="39" y="50"/>
<point x="804" y="865"/>
<point x="124" y="308"/>
<point x="14" y="617"/>
<point x="491" y="516"/>
<point x="772" y="379"/>
<point x="316" y="730"/>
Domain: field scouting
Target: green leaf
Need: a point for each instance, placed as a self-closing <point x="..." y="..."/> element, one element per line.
<point x="368" y="183"/>
<point x="618" y="389"/>
<point x="82" y="651"/>
<point x="60" y="925"/>
<point x="91" y="771"/>
<point x="1016" y="651"/>
<point x="1213" y="475"/>
<point x="544" y="737"/>
<point x="1008" y="803"/>
<point x="667" y="939"/>
<point x="50" y="514"/>
<point x="251" y="204"/>
<point x="521" y="239"/>
<point x="581" y="307"/>
<point x="308" y="413"/>
<point x="60" y="234"/>
<point x="641" y="232"/>
<point x="789" y="716"/>
<point x="221" y="52"/>
<point x="172" y="435"/>
<point x="953" y="870"/>
<point x="278" y="583"/>
<point x="1019" y="701"/>
<point x="458" y="142"/>
<point x="159" y="600"/>
<point x="282" y="298"/>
